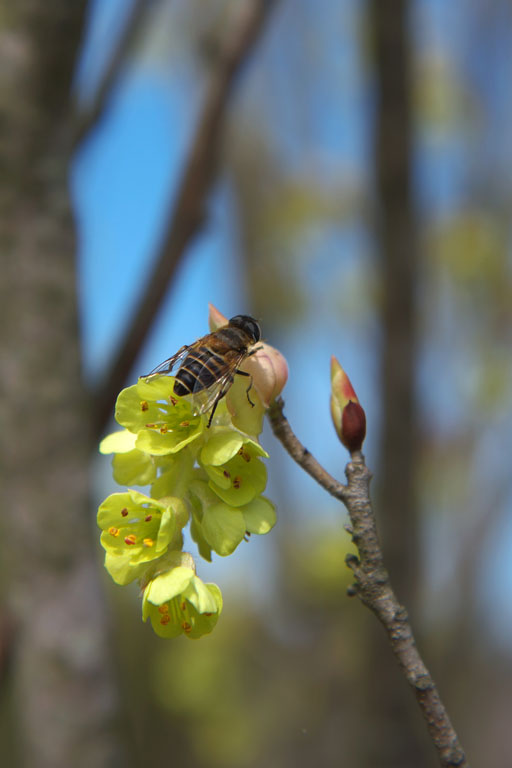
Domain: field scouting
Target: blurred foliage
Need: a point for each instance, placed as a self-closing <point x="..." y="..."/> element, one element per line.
<point x="443" y="102"/>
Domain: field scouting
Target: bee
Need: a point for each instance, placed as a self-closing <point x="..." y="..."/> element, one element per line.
<point x="210" y="364"/>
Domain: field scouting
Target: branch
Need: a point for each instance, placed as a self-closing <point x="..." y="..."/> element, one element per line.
<point x="373" y="587"/>
<point x="189" y="214"/>
<point x="85" y="120"/>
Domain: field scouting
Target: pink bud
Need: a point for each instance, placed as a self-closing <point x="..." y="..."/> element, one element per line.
<point x="269" y="371"/>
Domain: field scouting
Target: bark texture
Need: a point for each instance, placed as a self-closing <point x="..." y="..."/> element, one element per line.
<point x="61" y="681"/>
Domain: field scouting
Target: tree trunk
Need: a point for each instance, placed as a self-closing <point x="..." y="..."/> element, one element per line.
<point x="396" y="726"/>
<point x="62" y="688"/>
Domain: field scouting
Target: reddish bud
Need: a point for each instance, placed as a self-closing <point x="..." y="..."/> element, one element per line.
<point x="347" y="414"/>
<point x="353" y="427"/>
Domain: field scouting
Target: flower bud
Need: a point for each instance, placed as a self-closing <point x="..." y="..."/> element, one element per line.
<point x="215" y="318"/>
<point x="348" y="416"/>
<point x="269" y="371"/>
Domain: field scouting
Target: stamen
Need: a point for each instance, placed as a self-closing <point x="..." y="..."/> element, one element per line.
<point x="144" y="405"/>
<point x="246" y="456"/>
<point x="131" y="539"/>
<point x="148" y="518"/>
<point x="164" y="608"/>
<point x="164" y="429"/>
<point x="165" y="619"/>
<point x="185" y="424"/>
<point x="237" y="481"/>
<point x="113" y="531"/>
<point x="124" y="512"/>
<point x="186" y="627"/>
<point x="148" y="542"/>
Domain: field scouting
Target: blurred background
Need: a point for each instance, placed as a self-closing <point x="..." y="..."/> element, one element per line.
<point x="342" y="171"/>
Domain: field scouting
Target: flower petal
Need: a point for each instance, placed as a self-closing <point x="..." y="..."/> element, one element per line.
<point x="223" y="527"/>
<point x="168" y="585"/>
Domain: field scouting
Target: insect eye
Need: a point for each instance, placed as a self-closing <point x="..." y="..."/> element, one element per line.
<point x="248" y="325"/>
<point x="254" y="331"/>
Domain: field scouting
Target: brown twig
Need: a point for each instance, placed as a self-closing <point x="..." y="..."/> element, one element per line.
<point x="373" y="587"/>
<point x="189" y="213"/>
<point x="85" y="120"/>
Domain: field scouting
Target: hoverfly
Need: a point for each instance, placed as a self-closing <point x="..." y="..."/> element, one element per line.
<point x="210" y="364"/>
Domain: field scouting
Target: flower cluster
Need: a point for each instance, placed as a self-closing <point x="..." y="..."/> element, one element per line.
<point x="208" y="478"/>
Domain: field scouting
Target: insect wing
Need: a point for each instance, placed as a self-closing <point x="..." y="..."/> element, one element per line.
<point x="170" y="363"/>
<point x="216" y="391"/>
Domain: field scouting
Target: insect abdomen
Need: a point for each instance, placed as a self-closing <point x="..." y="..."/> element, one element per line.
<point x="200" y="369"/>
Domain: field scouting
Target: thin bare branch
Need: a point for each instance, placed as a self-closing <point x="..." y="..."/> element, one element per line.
<point x="373" y="587"/>
<point x="300" y="453"/>
<point x="85" y="120"/>
<point x="189" y="212"/>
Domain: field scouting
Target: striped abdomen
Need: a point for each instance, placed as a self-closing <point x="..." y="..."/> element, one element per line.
<point x="200" y="369"/>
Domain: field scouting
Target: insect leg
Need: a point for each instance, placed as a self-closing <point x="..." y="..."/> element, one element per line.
<point x="244" y="373"/>
<point x="219" y="397"/>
